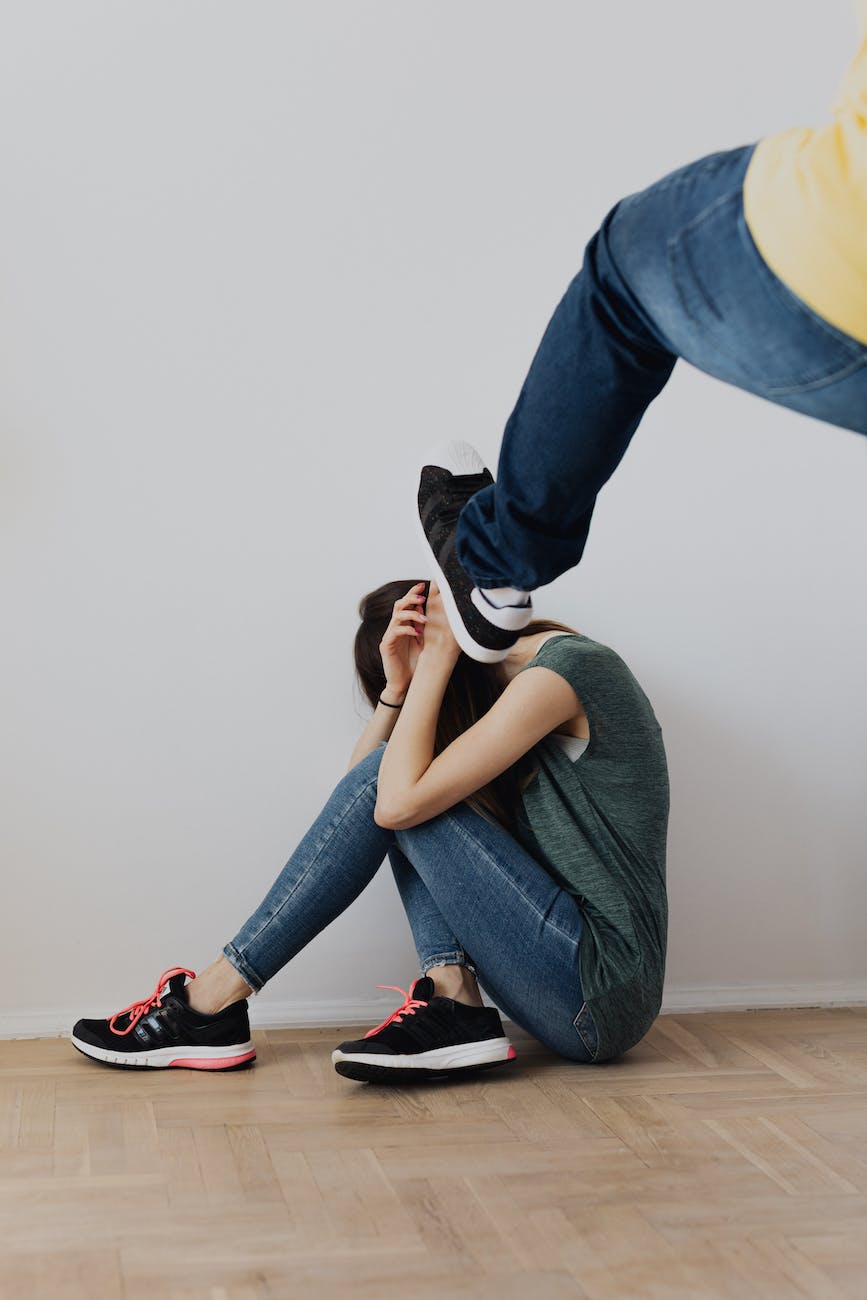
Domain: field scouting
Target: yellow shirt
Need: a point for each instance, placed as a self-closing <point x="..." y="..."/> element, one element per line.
<point x="805" y="202"/>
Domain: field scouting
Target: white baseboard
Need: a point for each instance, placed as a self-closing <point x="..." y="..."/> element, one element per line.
<point x="764" y="997"/>
<point x="55" y="1023"/>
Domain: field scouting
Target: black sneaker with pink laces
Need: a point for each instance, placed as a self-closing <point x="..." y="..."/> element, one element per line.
<point x="163" y="1030"/>
<point x="427" y="1037"/>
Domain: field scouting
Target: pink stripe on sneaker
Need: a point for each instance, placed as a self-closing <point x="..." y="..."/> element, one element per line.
<point x="214" y="1062"/>
<point x="511" y="1054"/>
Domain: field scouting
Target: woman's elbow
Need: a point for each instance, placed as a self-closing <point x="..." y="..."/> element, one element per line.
<point x="392" y="817"/>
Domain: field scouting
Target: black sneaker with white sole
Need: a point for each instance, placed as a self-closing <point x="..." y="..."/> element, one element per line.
<point x="163" y="1031"/>
<point x="427" y="1037"/>
<point x="449" y="478"/>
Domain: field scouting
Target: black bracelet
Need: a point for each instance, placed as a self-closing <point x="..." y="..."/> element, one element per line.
<point x="389" y="706"/>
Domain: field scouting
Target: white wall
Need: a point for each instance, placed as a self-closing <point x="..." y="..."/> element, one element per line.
<point x="254" y="259"/>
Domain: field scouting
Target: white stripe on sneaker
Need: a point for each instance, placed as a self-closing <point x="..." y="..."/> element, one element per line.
<point x="510" y="618"/>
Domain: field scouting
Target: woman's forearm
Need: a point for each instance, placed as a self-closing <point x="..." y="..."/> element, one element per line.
<point x="379" y="727"/>
<point x="410" y="749"/>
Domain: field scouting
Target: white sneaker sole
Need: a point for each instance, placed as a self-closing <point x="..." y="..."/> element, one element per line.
<point x="438" y="1058"/>
<point x="194" y="1058"/>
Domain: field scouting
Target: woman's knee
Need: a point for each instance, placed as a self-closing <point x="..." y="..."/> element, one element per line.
<point x="367" y="768"/>
<point x="360" y="782"/>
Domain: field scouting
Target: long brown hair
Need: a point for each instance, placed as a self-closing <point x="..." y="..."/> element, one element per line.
<point x="472" y="689"/>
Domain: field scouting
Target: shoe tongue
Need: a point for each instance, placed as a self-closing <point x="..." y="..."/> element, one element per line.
<point x="423" y="989"/>
<point x="177" y="985"/>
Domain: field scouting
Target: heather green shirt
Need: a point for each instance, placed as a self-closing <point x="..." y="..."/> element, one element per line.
<point x="598" y="823"/>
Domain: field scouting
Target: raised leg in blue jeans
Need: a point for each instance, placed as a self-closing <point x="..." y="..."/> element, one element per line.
<point x="468" y="887"/>
<point x="672" y="272"/>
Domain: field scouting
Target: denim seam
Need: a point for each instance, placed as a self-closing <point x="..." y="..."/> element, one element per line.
<point x="654" y="343"/>
<point x="332" y="826"/>
<point x="792" y="304"/>
<point x="792" y="390"/>
<point x="488" y="856"/>
<point x="244" y="969"/>
<point x="675" y="242"/>
<point x="709" y="165"/>
<point x="589" y="1045"/>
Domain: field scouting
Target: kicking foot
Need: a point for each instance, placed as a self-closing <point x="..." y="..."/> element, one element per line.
<point x="427" y="1037"/>
<point x="483" y="626"/>
<point x="163" y="1030"/>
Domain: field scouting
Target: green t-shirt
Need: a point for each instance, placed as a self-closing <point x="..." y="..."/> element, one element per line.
<point x="599" y="823"/>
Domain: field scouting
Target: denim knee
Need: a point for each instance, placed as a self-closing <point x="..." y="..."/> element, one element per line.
<point x="367" y="768"/>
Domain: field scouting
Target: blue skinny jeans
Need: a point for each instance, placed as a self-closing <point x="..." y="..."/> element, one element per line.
<point x="673" y="271"/>
<point x="468" y="887"/>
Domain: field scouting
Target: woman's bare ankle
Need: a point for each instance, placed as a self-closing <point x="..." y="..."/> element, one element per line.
<point x="456" y="982"/>
<point x="216" y="987"/>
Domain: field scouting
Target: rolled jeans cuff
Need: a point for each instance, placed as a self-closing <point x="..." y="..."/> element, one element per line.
<point x="230" y="952"/>
<point x="456" y="958"/>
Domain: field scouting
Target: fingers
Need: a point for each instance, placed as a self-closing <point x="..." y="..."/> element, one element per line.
<point x="399" y="631"/>
<point x="413" y="596"/>
<point x="403" y="614"/>
<point x="404" y="622"/>
<point x="406" y="611"/>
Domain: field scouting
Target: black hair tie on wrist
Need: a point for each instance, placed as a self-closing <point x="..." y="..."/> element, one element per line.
<point x="389" y="706"/>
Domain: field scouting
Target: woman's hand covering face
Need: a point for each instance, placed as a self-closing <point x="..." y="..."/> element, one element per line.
<point x="438" y="639"/>
<point x="401" y="644"/>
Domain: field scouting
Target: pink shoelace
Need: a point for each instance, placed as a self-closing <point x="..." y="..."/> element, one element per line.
<point x="408" y="1007"/>
<point x="138" y="1009"/>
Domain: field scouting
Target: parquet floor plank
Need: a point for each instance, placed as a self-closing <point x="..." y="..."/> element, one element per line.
<point x="75" y="1275"/>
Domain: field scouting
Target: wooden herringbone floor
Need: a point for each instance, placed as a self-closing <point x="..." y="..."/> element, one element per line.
<point x="725" y="1156"/>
